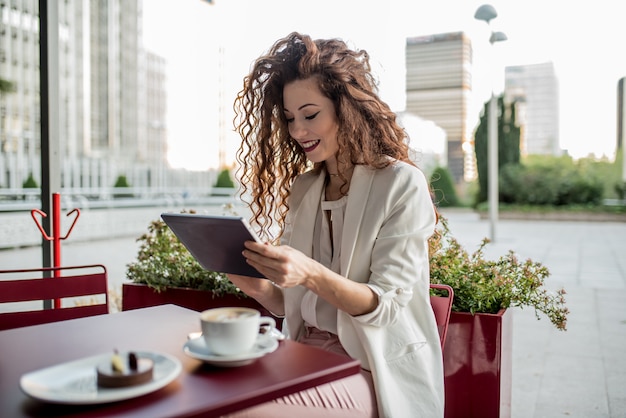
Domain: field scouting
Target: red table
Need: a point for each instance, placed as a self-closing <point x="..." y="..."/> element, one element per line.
<point x="200" y="390"/>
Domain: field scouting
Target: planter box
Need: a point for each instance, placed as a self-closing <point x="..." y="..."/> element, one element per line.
<point x="478" y="365"/>
<point x="135" y="296"/>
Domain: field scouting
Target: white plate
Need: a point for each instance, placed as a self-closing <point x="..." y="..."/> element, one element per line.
<point x="196" y="348"/>
<point x="75" y="382"/>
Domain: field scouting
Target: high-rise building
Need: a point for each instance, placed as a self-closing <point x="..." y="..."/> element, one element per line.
<point x="153" y="148"/>
<point x="19" y="109"/>
<point x="535" y="90"/>
<point x="112" y="96"/>
<point x="438" y="88"/>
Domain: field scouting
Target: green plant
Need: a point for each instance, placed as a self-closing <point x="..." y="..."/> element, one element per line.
<point x="122" y="183"/>
<point x="224" y="180"/>
<point x="30" y="182"/>
<point x="163" y="261"/>
<point x="442" y="185"/>
<point x="486" y="286"/>
<point x="557" y="181"/>
<point x="6" y="86"/>
<point x="620" y="190"/>
<point x="508" y="141"/>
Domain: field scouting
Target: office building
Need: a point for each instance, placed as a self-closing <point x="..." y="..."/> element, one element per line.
<point x="111" y="98"/>
<point x="535" y="90"/>
<point x="98" y="104"/>
<point x="438" y="88"/>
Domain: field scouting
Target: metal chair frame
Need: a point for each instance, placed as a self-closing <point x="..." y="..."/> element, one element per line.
<point x="72" y="281"/>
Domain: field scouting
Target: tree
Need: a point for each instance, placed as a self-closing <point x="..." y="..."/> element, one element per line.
<point x="508" y="142"/>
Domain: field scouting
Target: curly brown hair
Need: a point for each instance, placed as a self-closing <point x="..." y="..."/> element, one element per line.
<point x="270" y="159"/>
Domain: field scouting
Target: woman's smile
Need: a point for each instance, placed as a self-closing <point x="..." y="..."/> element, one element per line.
<point x="309" y="146"/>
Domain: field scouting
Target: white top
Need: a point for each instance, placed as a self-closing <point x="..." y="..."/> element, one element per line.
<point x="317" y="312"/>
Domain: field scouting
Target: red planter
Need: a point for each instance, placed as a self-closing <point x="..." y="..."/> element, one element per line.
<point x="478" y="365"/>
<point x="135" y="296"/>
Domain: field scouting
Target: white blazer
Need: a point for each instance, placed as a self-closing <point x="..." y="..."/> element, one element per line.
<point x="388" y="219"/>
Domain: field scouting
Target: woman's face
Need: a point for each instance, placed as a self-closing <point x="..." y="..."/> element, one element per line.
<point x="311" y="119"/>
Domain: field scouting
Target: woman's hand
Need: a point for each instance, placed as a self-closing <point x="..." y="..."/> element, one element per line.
<point x="263" y="291"/>
<point x="288" y="267"/>
<point x="283" y="265"/>
<point x="251" y="286"/>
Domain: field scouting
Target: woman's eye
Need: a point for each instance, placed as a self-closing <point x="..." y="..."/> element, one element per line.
<point x="289" y="120"/>
<point x="312" y="116"/>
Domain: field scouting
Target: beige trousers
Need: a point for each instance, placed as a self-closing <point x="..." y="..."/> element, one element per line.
<point x="352" y="396"/>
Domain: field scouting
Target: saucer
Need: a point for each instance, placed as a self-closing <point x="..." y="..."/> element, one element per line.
<point x="196" y="348"/>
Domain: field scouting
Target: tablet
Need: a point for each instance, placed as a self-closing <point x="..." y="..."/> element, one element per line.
<point x="216" y="242"/>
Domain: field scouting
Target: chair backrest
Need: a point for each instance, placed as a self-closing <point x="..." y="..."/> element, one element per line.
<point x="442" y="306"/>
<point x="31" y="285"/>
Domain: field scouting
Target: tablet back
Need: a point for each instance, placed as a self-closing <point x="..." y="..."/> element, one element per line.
<point x="215" y="241"/>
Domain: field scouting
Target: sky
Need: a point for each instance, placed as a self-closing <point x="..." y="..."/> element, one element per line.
<point x="210" y="47"/>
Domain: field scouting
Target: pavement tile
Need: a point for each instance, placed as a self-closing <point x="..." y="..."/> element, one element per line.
<point x="573" y="386"/>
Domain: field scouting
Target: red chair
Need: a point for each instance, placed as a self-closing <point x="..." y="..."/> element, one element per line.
<point x="75" y="282"/>
<point x="442" y="306"/>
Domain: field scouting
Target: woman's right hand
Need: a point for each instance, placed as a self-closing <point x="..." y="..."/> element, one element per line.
<point x="262" y="290"/>
<point x="251" y="286"/>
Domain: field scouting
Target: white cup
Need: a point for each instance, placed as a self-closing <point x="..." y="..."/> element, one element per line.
<point x="233" y="330"/>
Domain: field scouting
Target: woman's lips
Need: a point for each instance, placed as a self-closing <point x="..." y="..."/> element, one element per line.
<point x="309" y="146"/>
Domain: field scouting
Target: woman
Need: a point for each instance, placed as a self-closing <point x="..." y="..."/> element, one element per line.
<point x="324" y="160"/>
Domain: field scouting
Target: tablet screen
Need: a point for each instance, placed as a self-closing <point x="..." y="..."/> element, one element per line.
<point x="216" y="242"/>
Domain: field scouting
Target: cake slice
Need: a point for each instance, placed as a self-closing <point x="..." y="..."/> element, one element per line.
<point x="124" y="370"/>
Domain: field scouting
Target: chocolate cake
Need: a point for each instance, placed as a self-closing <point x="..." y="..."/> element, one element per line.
<point x="124" y="370"/>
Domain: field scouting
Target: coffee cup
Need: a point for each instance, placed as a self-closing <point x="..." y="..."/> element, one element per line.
<point x="232" y="330"/>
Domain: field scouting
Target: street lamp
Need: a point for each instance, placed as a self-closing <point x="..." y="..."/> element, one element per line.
<point x="486" y="12"/>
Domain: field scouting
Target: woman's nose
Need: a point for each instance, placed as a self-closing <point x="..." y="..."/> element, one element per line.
<point x="297" y="130"/>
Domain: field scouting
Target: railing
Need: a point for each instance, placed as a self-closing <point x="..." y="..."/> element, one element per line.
<point x="18" y="231"/>
<point x="17" y="200"/>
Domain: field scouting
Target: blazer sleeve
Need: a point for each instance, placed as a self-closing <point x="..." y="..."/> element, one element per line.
<point x="399" y="265"/>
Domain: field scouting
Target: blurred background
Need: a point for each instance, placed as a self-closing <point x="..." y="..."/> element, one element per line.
<point x="146" y="88"/>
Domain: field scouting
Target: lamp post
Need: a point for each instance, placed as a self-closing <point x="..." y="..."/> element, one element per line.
<point x="486" y="13"/>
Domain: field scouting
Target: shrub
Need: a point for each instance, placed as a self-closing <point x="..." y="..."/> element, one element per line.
<point x="30" y="182"/>
<point x="620" y="190"/>
<point x="443" y="188"/>
<point x="163" y="261"/>
<point x="550" y="181"/>
<point x="224" y="180"/>
<point x="482" y="285"/>
<point x="121" y="183"/>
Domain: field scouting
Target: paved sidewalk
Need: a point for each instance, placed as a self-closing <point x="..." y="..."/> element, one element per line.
<point x="577" y="373"/>
<point x="580" y="372"/>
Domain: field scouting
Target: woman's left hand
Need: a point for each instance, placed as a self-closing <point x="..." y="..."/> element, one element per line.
<point x="288" y="267"/>
<point x="283" y="265"/>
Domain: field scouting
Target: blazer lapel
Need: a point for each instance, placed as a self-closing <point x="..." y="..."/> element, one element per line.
<point x="304" y="217"/>
<point x="360" y="186"/>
